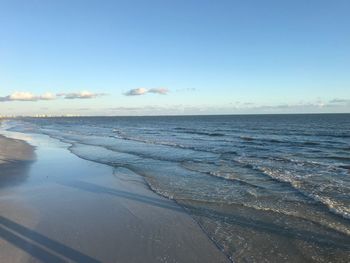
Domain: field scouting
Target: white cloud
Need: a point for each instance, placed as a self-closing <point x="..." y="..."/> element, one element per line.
<point x="27" y="96"/>
<point x="135" y="92"/>
<point x="48" y="96"/>
<point x="143" y="91"/>
<point x="80" y="95"/>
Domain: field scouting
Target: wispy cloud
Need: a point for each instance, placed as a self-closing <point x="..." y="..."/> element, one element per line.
<point x="80" y="95"/>
<point x="162" y="91"/>
<point x="310" y="106"/>
<point x="340" y="101"/>
<point x="27" y="96"/>
<point x="144" y="91"/>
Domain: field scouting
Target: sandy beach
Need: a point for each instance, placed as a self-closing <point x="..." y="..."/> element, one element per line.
<point x="56" y="207"/>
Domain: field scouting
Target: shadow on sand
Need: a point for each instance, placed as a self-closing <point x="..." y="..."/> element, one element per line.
<point x="39" y="246"/>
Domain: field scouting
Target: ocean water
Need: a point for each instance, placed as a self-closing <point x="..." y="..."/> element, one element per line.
<point x="265" y="188"/>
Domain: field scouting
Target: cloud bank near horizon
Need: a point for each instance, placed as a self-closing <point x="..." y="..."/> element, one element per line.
<point x="125" y="107"/>
<point x="144" y="91"/>
<point x="28" y="96"/>
<point x="239" y="107"/>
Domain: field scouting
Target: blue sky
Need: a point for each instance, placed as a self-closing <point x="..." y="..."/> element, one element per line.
<point x="174" y="57"/>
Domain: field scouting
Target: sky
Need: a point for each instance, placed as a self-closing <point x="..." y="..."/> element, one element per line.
<point x="174" y="57"/>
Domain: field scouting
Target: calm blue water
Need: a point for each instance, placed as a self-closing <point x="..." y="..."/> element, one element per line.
<point x="264" y="187"/>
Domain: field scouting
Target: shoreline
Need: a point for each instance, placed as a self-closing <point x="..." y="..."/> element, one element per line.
<point x="77" y="210"/>
<point x="181" y="207"/>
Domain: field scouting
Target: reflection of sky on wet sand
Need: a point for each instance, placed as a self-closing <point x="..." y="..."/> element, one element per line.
<point x="6" y="124"/>
<point x="16" y="135"/>
<point x="31" y="138"/>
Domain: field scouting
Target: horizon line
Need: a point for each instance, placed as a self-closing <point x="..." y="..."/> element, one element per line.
<point x="167" y="115"/>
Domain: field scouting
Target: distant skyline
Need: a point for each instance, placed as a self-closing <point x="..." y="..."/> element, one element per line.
<point x="174" y="57"/>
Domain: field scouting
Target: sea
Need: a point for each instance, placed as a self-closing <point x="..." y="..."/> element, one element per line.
<point x="264" y="188"/>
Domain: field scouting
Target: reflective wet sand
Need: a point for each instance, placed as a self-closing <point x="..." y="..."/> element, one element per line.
<point x="70" y="209"/>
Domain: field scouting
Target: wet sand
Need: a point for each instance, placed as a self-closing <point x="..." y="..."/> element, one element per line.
<point x="16" y="157"/>
<point x="65" y="209"/>
<point x="15" y="150"/>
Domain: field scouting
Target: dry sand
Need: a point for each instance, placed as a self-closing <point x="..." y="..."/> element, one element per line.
<point x="65" y="209"/>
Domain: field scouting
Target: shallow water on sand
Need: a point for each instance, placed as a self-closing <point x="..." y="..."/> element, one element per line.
<point x="67" y="209"/>
<point x="273" y="188"/>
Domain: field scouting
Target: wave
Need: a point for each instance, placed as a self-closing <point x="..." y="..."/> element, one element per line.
<point x="211" y="134"/>
<point x="332" y="204"/>
<point x="229" y="176"/>
<point x="340" y="158"/>
<point x="280" y="141"/>
<point x="305" y="177"/>
<point x="331" y="226"/>
<point x="247" y="138"/>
